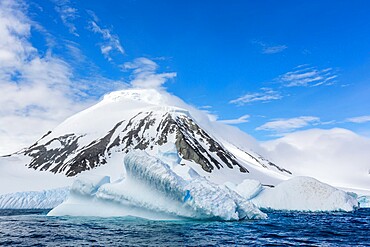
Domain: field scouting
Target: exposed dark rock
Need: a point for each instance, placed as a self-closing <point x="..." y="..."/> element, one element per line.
<point x="191" y="141"/>
<point x="268" y="185"/>
<point x="189" y="128"/>
<point x="260" y="160"/>
<point x="188" y="152"/>
<point x="279" y="168"/>
<point x="44" y="157"/>
<point x="48" y="133"/>
<point x="132" y="137"/>
<point x="91" y="156"/>
<point x="166" y="126"/>
<point x="188" y="139"/>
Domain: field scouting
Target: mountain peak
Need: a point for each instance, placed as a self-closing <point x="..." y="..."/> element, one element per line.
<point x="150" y="120"/>
<point x="147" y="95"/>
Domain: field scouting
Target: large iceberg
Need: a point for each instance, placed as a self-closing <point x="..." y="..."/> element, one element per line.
<point x="153" y="190"/>
<point x="305" y="194"/>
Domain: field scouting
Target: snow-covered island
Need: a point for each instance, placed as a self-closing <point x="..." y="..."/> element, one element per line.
<point x="146" y="153"/>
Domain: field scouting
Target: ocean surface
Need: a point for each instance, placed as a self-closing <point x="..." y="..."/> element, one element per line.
<point x="34" y="228"/>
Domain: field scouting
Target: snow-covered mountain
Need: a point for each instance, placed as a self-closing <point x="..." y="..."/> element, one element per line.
<point x="148" y="151"/>
<point x="149" y="120"/>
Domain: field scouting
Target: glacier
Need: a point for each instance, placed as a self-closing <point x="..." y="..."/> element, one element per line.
<point x="152" y="190"/>
<point x="45" y="199"/>
<point x="305" y="194"/>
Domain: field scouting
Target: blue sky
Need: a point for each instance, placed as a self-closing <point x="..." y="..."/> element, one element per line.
<point x="269" y="67"/>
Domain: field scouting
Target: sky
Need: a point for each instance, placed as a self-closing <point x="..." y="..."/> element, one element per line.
<point x="271" y="68"/>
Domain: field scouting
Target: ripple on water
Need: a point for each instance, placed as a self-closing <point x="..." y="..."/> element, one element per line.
<point x="32" y="227"/>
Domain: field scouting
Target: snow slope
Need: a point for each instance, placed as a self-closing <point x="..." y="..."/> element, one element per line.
<point x="305" y="194"/>
<point x="16" y="177"/>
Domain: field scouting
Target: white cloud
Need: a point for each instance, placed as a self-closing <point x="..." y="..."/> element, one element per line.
<point x="205" y="107"/>
<point x="274" y="49"/>
<point x="242" y="119"/>
<point x="37" y="91"/>
<point x="67" y="14"/>
<point x="266" y="95"/>
<point x="270" y="48"/>
<point x="361" y="119"/>
<point x="281" y="126"/>
<point x="145" y="73"/>
<point x="336" y="156"/>
<point x="73" y="50"/>
<point x="304" y="76"/>
<point x="110" y="42"/>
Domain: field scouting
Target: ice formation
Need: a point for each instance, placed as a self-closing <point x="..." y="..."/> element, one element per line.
<point x="305" y="194"/>
<point x="364" y="201"/>
<point x="34" y="199"/>
<point x="248" y="188"/>
<point x="152" y="190"/>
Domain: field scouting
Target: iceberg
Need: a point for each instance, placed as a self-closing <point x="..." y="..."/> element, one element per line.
<point x="364" y="201"/>
<point x="248" y="188"/>
<point x="45" y="199"/>
<point x="153" y="190"/>
<point x="305" y="194"/>
<point x="88" y="184"/>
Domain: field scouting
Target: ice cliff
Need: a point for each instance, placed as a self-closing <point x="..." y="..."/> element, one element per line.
<point x="152" y="190"/>
<point x="45" y="199"/>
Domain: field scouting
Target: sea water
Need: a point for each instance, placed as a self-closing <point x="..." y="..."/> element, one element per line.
<point x="34" y="228"/>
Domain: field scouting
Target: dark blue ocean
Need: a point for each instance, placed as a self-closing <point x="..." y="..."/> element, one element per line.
<point x="34" y="228"/>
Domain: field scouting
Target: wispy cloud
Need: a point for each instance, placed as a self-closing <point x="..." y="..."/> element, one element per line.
<point x="281" y="126"/>
<point x="67" y="14"/>
<point x="361" y="119"/>
<point x="111" y="42"/>
<point x="274" y="49"/>
<point x="38" y="90"/>
<point x="205" y="107"/>
<point x="266" y="95"/>
<point x="145" y="73"/>
<point x="270" y="48"/>
<point x="308" y="76"/>
<point x="242" y="119"/>
<point x="74" y="51"/>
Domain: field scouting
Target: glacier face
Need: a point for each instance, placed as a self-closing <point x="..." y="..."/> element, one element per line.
<point x="45" y="199"/>
<point x="152" y="190"/>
